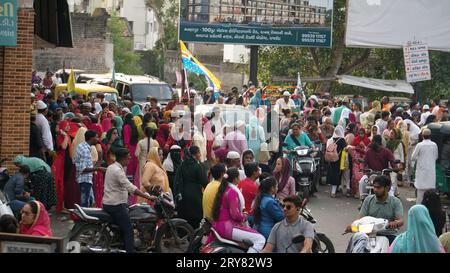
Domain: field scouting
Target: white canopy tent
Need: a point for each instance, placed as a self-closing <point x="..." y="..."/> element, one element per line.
<point x="384" y="85"/>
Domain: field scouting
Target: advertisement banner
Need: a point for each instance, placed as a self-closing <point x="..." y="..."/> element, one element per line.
<point x="8" y="22"/>
<point x="257" y="22"/>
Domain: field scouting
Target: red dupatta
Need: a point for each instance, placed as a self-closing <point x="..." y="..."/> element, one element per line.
<point x="41" y="224"/>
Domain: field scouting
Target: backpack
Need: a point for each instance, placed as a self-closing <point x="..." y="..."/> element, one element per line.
<point x="331" y="154"/>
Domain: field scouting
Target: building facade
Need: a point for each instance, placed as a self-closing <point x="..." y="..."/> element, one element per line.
<point x="283" y="12"/>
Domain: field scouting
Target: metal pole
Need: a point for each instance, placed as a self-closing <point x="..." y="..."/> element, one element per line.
<point x="254" y="64"/>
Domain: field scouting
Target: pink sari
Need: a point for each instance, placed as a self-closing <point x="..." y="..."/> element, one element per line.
<point x="133" y="166"/>
<point x="41" y="224"/>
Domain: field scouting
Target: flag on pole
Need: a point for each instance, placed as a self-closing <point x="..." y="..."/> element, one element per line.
<point x="71" y="82"/>
<point x="299" y="84"/>
<point x="192" y="64"/>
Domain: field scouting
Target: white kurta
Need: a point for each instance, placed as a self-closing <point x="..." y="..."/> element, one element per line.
<point x="425" y="154"/>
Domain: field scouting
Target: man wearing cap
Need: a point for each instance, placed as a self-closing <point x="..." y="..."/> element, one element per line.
<point x="425" y="113"/>
<point x="284" y="103"/>
<point x="236" y="140"/>
<point x="209" y="98"/>
<point x="234" y="161"/>
<point x="425" y="155"/>
<point x="44" y="126"/>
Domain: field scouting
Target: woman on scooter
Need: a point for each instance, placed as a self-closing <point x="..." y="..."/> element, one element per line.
<point x="228" y="216"/>
<point x="266" y="210"/>
<point x="285" y="182"/>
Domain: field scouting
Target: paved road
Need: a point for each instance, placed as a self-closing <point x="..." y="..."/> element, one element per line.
<point x="332" y="215"/>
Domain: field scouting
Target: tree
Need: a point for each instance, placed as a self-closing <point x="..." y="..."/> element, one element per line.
<point x="125" y="59"/>
<point x="166" y="14"/>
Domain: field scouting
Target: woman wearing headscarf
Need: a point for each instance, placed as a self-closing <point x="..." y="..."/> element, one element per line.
<point x="357" y="151"/>
<point x="403" y="127"/>
<point x="255" y="136"/>
<point x="63" y="162"/>
<point x="35" y="220"/>
<point x="420" y="236"/>
<point x="189" y="181"/>
<point x="154" y="173"/>
<point x="106" y="120"/>
<point x="172" y="162"/>
<point x="334" y="171"/>
<point x="247" y="157"/>
<point x="42" y="179"/>
<point x="286" y="183"/>
<point x="118" y="123"/>
<point x="445" y="241"/>
<point x="130" y="140"/>
<point x="179" y="136"/>
<point x="112" y="142"/>
<point x="397" y="148"/>
<point x="143" y="148"/>
<point x="432" y="201"/>
<point x="327" y="128"/>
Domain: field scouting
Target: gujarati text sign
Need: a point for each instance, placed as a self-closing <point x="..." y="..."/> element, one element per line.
<point x="417" y="62"/>
<point x="8" y="22"/>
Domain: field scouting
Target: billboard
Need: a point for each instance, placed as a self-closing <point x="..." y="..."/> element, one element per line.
<point x="394" y="23"/>
<point x="257" y="22"/>
<point x="8" y="22"/>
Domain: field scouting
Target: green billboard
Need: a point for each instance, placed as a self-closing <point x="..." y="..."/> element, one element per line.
<point x="257" y="22"/>
<point x="8" y="22"/>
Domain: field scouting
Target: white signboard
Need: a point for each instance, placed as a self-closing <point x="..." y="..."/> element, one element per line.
<point x="392" y="23"/>
<point x="19" y="247"/>
<point x="417" y="62"/>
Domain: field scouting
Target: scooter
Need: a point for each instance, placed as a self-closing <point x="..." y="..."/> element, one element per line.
<point x="366" y="238"/>
<point x="304" y="170"/>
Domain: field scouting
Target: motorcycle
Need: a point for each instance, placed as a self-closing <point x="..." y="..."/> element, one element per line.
<point x="305" y="170"/>
<point x="155" y="229"/>
<point x="366" y="238"/>
<point x="366" y="182"/>
<point x="321" y="243"/>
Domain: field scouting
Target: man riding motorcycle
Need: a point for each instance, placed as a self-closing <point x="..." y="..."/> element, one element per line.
<point x="115" y="198"/>
<point x="382" y="205"/>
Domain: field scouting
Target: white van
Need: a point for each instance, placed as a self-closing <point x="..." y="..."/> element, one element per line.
<point x="137" y="88"/>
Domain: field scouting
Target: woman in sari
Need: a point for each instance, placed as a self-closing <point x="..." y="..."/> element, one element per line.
<point x="420" y="236"/>
<point x="112" y="142"/>
<point x="285" y="182"/>
<point x="162" y="135"/>
<point x="63" y="162"/>
<point x="358" y="151"/>
<point x="154" y="173"/>
<point x="35" y="220"/>
<point x="130" y="139"/>
<point x="42" y="179"/>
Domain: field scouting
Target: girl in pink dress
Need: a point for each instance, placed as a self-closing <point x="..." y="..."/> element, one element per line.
<point x="130" y="140"/>
<point x="229" y="219"/>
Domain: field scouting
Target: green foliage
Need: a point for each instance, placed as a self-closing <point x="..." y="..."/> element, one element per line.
<point x="125" y="59"/>
<point x="339" y="60"/>
<point x="200" y="83"/>
<point x="152" y="63"/>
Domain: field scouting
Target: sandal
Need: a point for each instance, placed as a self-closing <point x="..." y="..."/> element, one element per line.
<point x="333" y="195"/>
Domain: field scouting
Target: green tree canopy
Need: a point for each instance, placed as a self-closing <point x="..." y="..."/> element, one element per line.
<point x="125" y="59"/>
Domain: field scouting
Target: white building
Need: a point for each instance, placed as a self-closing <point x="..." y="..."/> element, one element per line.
<point x="141" y="18"/>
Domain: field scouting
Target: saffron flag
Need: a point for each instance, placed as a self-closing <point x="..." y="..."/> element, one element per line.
<point x="190" y="63"/>
<point x="71" y="81"/>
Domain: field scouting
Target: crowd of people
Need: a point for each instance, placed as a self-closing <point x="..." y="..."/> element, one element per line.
<point x="237" y="175"/>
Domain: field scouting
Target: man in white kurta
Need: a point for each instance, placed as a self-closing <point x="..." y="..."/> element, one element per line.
<point x="425" y="154"/>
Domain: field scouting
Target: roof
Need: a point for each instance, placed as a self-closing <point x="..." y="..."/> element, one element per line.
<point x="87" y="88"/>
<point x="137" y="79"/>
